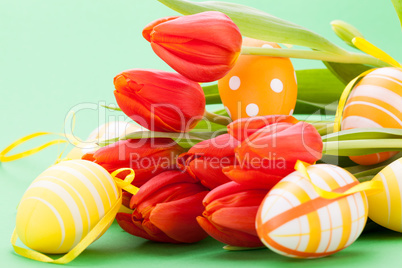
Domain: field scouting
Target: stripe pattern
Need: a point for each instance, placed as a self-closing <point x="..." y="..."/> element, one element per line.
<point x="293" y="220"/>
<point x="63" y="204"/>
<point x="386" y="206"/>
<point x="376" y="101"/>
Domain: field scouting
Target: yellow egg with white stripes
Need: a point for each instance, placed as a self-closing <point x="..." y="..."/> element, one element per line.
<point x="294" y="221"/>
<point x="63" y="204"/>
<point x="375" y="102"/>
<point x="385" y="208"/>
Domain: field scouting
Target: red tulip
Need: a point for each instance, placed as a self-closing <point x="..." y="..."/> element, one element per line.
<point x="206" y="159"/>
<point x="203" y="47"/>
<point x="230" y="212"/>
<point x="148" y="157"/>
<point x="270" y="153"/>
<point x="242" y="128"/>
<point x="165" y="209"/>
<point x="160" y="101"/>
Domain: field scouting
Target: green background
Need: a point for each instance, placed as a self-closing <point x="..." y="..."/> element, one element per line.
<point x="55" y="55"/>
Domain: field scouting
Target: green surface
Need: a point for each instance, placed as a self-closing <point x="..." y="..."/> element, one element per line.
<point x="61" y="55"/>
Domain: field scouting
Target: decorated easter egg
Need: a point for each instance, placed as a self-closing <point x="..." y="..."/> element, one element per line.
<point x="375" y="102"/>
<point x="385" y="208"/>
<point x="293" y="220"/>
<point x="110" y="130"/>
<point x="63" y="204"/>
<point x="259" y="85"/>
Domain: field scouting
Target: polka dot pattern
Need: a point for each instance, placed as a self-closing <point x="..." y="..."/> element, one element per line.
<point x="252" y="109"/>
<point x="259" y="85"/>
<point x="234" y="83"/>
<point x="276" y="85"/>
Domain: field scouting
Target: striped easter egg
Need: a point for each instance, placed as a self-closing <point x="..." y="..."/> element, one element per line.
<point x="385" y="208"/>
<point x="294" y="221"/>
<point x="63" y="204"/>
<point x="375" y="102"/>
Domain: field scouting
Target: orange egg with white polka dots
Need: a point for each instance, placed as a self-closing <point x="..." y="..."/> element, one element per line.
<point x="375" y="102"/>
<point x="259" y="85"/>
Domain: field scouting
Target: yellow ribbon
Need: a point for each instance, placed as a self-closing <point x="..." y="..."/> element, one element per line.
<point x="372" y="50"/>
<point x="98" y="229"/>
<point x="7" y="158"/>
<point x="126" y="183"/>
<point x="343" y="99"/>
<point x="370" y="187"/>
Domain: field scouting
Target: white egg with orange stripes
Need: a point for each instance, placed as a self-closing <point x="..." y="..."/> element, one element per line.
<point x="63" y="204"/>
<point x="294" y="221"/>
<point x="385" y="208"/>
<point x="375" y="102"/>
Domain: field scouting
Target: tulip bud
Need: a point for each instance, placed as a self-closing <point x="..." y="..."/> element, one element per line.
<point x="345" y="31"/>
<point x="203" y="47"/>
<point x="160" y="101"/>
<point x="270" y="153"/>
<point x="206" y="159"/>
<point x="148" y="157"/>
<point x="165" y="209"/>
<point x="242" y="128"/>
<point x="230" y="212"/>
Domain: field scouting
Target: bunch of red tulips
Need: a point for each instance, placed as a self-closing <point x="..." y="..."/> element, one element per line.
<point x="216" y="187"/>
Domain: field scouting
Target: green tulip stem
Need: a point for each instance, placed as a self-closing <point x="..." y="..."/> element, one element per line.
<point x="350" y="57"/>
<point x="217" y="119"/>
<point x="361" y="147"/>
<point x="370" y="172"/>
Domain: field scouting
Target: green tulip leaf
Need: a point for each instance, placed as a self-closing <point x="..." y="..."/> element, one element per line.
<point x="306" y="107"/>
<point x="186" y="140"/>
<point x="361" y="171"/>
<point x="318" y="86"/>
<point x="222" y="112"/>
<point x="341" y="161"/>
<point x="364" y="134"/>
<point x="398" y="8"/>
<point x="361" y="147"/>
<point x="113" y="108"/>
<point x="258" y="24"/>
<point x="211" y="93"/>
<point x="346" y="72"/>
<point x="207" y="126"/>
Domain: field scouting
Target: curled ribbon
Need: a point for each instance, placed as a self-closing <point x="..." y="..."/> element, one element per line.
<point x="67" y="138"/>
<point x="372" y="50"/>
<point x="95" y="232"/>
<point x="369" y="187"/>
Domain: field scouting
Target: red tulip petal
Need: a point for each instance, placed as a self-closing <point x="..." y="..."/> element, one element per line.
<point x="221" y="146"/>
<point x="158" y="100"/>
<point x="228" y="236"/>
<point x="209" y="173"/>
<point x="298" y="142"/>
<point x="256" y="178"/>
<point x="210" y="26"/>
<point x="230" y="188"/>
<point x="191" y="70"/>
<point x="146" y="32"/>
<point x="177" y="219"/>
<point x="247" y="198"/>
<point x="244" y="127"/>
<point x="160" y="181"/>
<point x="124" y="221"/>
<point x="126" y="199"/>
<point x="237" y="218"/>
